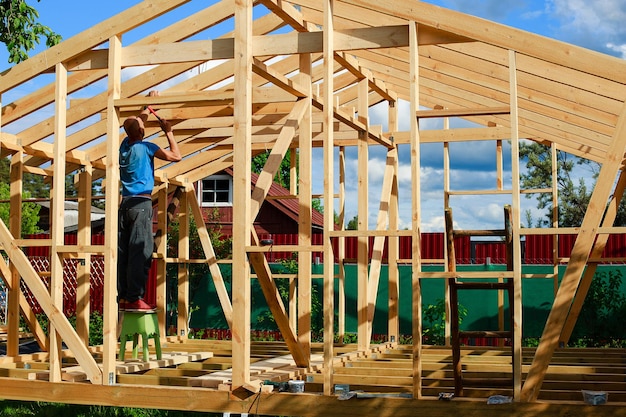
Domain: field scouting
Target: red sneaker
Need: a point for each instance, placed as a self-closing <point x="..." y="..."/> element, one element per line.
<point x="121" y="305"/>
<point x="139" y="306"/>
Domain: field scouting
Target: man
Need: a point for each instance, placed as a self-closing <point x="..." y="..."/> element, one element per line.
<point x="136" y="241"/>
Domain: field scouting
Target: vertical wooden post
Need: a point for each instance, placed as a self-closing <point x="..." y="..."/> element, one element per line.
<point x="416" y="260"/>
<point x="329" y="183"/>
<point x="393" y="251"/>
<point x="241" y="192"/>
<point x="112" y="189"/>
<point x="57" y="215"/>
<point x="161" y="250"/>
<point x="293" y="282"/>
<point x="305" y="211"/>
<point x="555" y="216"/>
<point x="84" y="238"/>
<point x="341" y="249"/>
<point x="363" y="323"/>
<point x="183" y="267"/>
<point x="578" y="261"/>
<point x="517" y="250"/>
<point x="15" y="225"/>
<point x="446" y="205"/>
<point x="454" y="305"/>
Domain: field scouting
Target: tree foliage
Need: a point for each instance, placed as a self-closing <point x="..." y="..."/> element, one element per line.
<point x="32" y="184"/>
<point x="283" y="175"/>
<point x="574" y="195"/>
<point x="20" y="31"/>
<point x="30" y="211"/>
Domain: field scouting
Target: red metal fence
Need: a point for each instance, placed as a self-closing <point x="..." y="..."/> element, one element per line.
<point x="535" y="250"/>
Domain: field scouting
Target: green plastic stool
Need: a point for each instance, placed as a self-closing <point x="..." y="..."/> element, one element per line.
<point x="135" y="324"/>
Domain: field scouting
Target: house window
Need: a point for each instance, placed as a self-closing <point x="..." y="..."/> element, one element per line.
<point x="216" y="190"/>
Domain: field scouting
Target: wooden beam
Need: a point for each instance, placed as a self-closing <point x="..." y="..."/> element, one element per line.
<point x="56" y="316"/>
<point x="183" y="268"/>
<point x="598" y="249"/>
<point x="384" y="215"/>
<point x="344" y="40"/>
<point x="57" y="215"/>
<point x="112" y="184"/>
<point x="116" y="25"/>
<point x="393" y="244"/>
<point x="516" y="251"/>
<point x="426" y="114"/>
<point x="83" y="272"/>
<point x="578" y="260"/>
<point x="329" y="183"/>
<point x="14" y="293"/>
<point x="241" y="193"/>
<point x="305" y="209"/>
<point x="211" y="259"/>
<point x="416" y="262"/>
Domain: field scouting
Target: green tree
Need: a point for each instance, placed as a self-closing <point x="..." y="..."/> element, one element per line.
<point x="20" y="31"/>
<point x="574" y="195"/>
<point x="30" y="211"/>
<point x="353" y="224"/>
<point x="602" y="313"/>
<point x="283" y="176"/>
<point x="34" y="185"/>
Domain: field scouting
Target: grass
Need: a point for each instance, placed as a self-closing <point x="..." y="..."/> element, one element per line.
<point x="43" y="409"/>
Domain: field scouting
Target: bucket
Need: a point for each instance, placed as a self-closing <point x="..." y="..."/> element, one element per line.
<point x="296" y="386"/>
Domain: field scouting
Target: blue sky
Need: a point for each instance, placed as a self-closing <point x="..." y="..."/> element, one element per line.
<point x="597" y="25"/>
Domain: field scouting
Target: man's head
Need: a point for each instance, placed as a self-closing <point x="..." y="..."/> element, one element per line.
<point x="134" y="128"/>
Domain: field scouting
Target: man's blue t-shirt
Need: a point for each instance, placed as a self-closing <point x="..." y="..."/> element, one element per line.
<point x="137" y="167"/>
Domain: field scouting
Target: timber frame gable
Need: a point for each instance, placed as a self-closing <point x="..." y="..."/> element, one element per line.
<point x="298" y="79"/>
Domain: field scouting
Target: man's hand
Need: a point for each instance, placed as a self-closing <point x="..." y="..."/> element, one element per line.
<point x="165" y="125"/>
<point x="153" y="93"/>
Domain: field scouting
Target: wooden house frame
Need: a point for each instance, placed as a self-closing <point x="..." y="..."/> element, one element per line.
<point x="300" y="77"/>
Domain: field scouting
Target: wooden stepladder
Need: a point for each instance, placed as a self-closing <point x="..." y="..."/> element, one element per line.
<point x="457" y="283"/>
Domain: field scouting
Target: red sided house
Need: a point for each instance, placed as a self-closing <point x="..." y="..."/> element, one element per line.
<point x="277" y="215"/>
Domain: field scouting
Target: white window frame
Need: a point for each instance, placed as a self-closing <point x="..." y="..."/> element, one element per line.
<point x="228" y="203"/>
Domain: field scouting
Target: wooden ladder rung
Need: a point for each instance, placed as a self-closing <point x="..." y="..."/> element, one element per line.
<point x="487" y="382"/>
<point x="465" y="285"/>
<point x="487" y="334"/>
<point x="479" y="111"/>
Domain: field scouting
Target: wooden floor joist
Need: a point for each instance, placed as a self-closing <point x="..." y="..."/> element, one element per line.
<point x="297" y="76"/>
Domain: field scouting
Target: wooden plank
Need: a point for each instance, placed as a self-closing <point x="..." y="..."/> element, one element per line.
<point x="110" y="313"/>
<point x="26" y="310"/>
<point x="57" y="214"/>
<point x="416" y="265"/>
<point x="515" y="221"/>
<point x="276" y="306"/>
<point x="487" y="111"/>
<point x="329" y="183"/>
<point x="184" y="305"/>
<point x="241" y="193"/>
<point x="12" y="276"/>
<point x="167" y="53"/>
<point x="596" y="252"/>
<point x="577" y="263"/>
<point x="344" y="40"/>
<point x="211" y="260"/>
<point x="84" y="269"/>
<point x="56" y="316"/>
<point x="384" y="216"/>
<point x="393" y="244"/>
<point x="116" y="25"/>
<point x="454" y="135"/>
<point x="363" y="297"/>
<point x="305" y="209"/>
<point x="341" y="247"/>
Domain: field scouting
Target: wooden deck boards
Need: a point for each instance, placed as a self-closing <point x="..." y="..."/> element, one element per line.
<point x="385" y="369"/>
